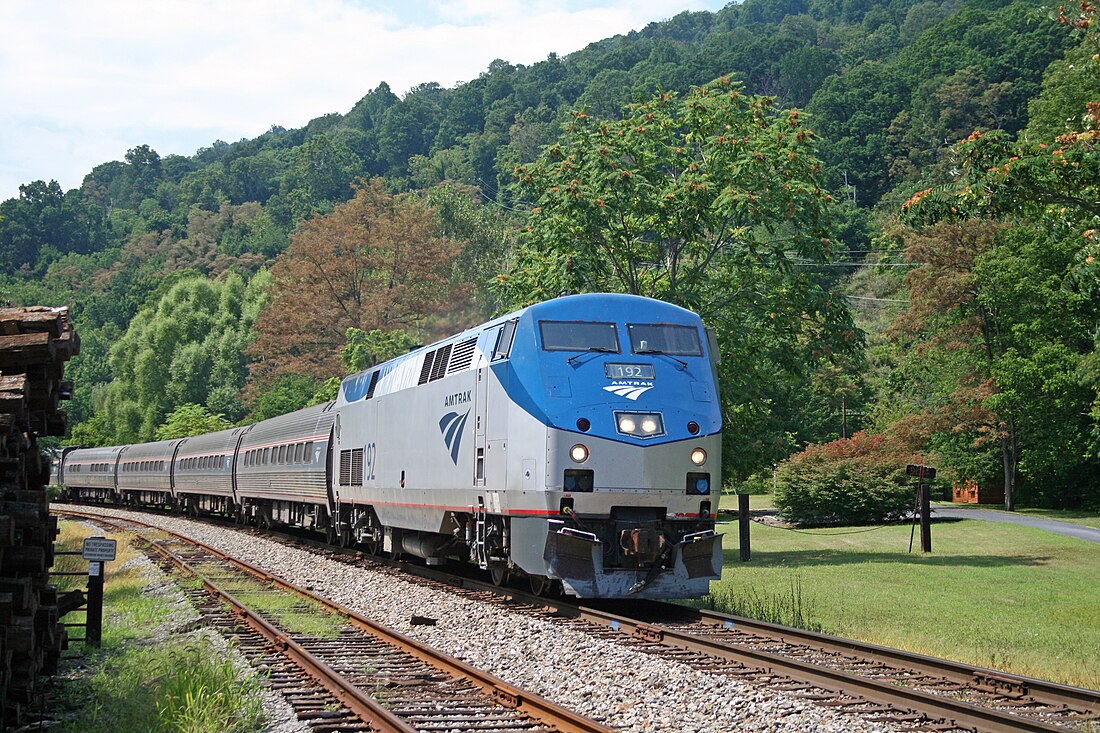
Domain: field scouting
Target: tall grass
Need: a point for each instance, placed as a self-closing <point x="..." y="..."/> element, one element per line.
<point x="788" y="606"/>
<point x="145" y="678"/>
<point x="198" y="694"/>
<point x="180" y="686"/>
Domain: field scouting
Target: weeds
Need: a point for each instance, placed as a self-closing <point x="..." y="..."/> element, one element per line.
<point x="181" y="686"/>
<point x="787" y="607"/>
<point x="197" y="694"/>
<point x="293" y="614"/>
<point x="146" y="679"/>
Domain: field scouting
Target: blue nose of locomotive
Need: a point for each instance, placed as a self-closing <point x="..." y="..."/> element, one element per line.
<point x="620" y="367"/>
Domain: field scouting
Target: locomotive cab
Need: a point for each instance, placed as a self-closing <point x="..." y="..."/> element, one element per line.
<point x="623" y="392"/>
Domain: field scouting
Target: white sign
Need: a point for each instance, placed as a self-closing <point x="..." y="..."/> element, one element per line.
<point x="99" y="549"/>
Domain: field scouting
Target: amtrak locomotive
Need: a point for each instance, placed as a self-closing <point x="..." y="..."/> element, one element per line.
<point x="576" y="441"/>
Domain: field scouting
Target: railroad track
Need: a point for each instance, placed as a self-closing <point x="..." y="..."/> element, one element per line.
<point x="899" y="688"/>
<point x="902" y="689"/>
<point x="360" y="676"/>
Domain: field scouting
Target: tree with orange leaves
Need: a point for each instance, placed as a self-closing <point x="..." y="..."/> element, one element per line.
<point x="377" y="261"/>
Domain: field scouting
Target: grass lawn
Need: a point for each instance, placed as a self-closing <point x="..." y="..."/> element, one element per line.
<point x="999" y="595"/>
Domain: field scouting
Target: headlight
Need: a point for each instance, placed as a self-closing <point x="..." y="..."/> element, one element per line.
<point x="579" y="453"/>
<point x="698" y="456"/>
<point x="640" y="424"/>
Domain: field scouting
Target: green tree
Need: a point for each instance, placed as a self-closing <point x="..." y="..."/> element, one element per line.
<point x="287" y="393"/>
<point x="190" y="419"/>
<point x="997" y="344"/>
<point x="189" y="348"/>
<point x="364" y="349"/>
<point x="487" y="234"/>
<point x="712" y="202"/>
<point x="44" y="224"/>
<point x="1068" y="85"/>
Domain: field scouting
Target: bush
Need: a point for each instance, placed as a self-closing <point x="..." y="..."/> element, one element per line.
<point x="858" y="480"/>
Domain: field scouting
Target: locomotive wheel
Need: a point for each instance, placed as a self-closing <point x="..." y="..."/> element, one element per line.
<point x="371" y="546"/>
<point x="500" y="575"/>
<point x="540" y="584"/>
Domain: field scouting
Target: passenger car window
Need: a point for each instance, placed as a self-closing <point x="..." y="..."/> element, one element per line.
<point x="664" y="338"/>
<point x="579" y="336"/>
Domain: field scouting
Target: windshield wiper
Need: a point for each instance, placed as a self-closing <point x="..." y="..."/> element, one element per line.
<point x="589" y="350"/>
<point x="657" y="352"/>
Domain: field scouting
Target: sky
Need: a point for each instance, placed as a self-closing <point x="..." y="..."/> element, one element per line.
<point x="83" y="81"/>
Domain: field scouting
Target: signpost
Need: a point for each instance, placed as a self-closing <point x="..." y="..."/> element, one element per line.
<point x="922" y="473"/>
<point x="97" y="550"/>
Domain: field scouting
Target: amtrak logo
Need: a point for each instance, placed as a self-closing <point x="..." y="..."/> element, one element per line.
<point x="629" y="390"/>
<point x="451" y="426"/>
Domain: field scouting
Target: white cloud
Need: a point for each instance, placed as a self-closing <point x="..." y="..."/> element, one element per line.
<point x="81" y="82"/>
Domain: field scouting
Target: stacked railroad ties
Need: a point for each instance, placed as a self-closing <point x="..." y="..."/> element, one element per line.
<point x="35" y="343"/>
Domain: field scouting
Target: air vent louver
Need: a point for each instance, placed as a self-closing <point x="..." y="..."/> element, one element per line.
<point x="462" y="356"/>
<point x="426" y="369"/>
<point x="442" y="355"/>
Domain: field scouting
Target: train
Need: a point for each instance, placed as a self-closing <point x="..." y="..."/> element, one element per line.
<point x="575" y="443"/>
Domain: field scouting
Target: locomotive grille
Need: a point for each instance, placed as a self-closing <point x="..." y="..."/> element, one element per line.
<point x="345" y="468"/>
<point x="439" y="368"/>
<point x="351" y="467"/>
<point x="357" y="467"/>
<point x="426" y="369"/>
<point x="463" y="356"/>
<point x="373" y="385"/>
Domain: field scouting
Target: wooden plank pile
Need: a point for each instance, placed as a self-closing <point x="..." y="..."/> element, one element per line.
<point x="35" y="343"/>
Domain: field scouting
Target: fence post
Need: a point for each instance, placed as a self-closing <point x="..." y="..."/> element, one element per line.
<point x="743" y="526"/>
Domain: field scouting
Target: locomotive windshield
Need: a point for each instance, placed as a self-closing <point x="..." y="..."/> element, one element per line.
<point x="579" y="336"/>
<point x="664" y="338"/>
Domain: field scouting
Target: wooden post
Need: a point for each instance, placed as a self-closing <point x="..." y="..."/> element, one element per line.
<point x="743" y="526"/>
<point x="924" y="474"/>
<point x="93" y="634"/>
<point x="925" y="518"/>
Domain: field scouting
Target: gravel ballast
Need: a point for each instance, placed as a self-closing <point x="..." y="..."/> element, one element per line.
<point x="624" y="689"/>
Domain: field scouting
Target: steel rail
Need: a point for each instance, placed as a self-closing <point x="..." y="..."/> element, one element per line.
<point x="964" y="714"/>
<point x="376" y="717"/>
<point x="1078" y="700"/>
<point x="503" y="693"/>
<point x="1069" y="699"/>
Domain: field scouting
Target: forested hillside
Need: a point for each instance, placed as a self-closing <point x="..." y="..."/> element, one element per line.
<point x="887" y="209"/>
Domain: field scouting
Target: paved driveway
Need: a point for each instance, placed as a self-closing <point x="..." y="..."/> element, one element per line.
<point x="1069" y="529"/>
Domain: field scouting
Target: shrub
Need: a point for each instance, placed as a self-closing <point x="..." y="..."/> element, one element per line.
<point x="857" y="480"/>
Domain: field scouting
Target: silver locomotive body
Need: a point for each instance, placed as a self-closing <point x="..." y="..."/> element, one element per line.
<point x="509" y="445"/>
<point x="574" y="441"/>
